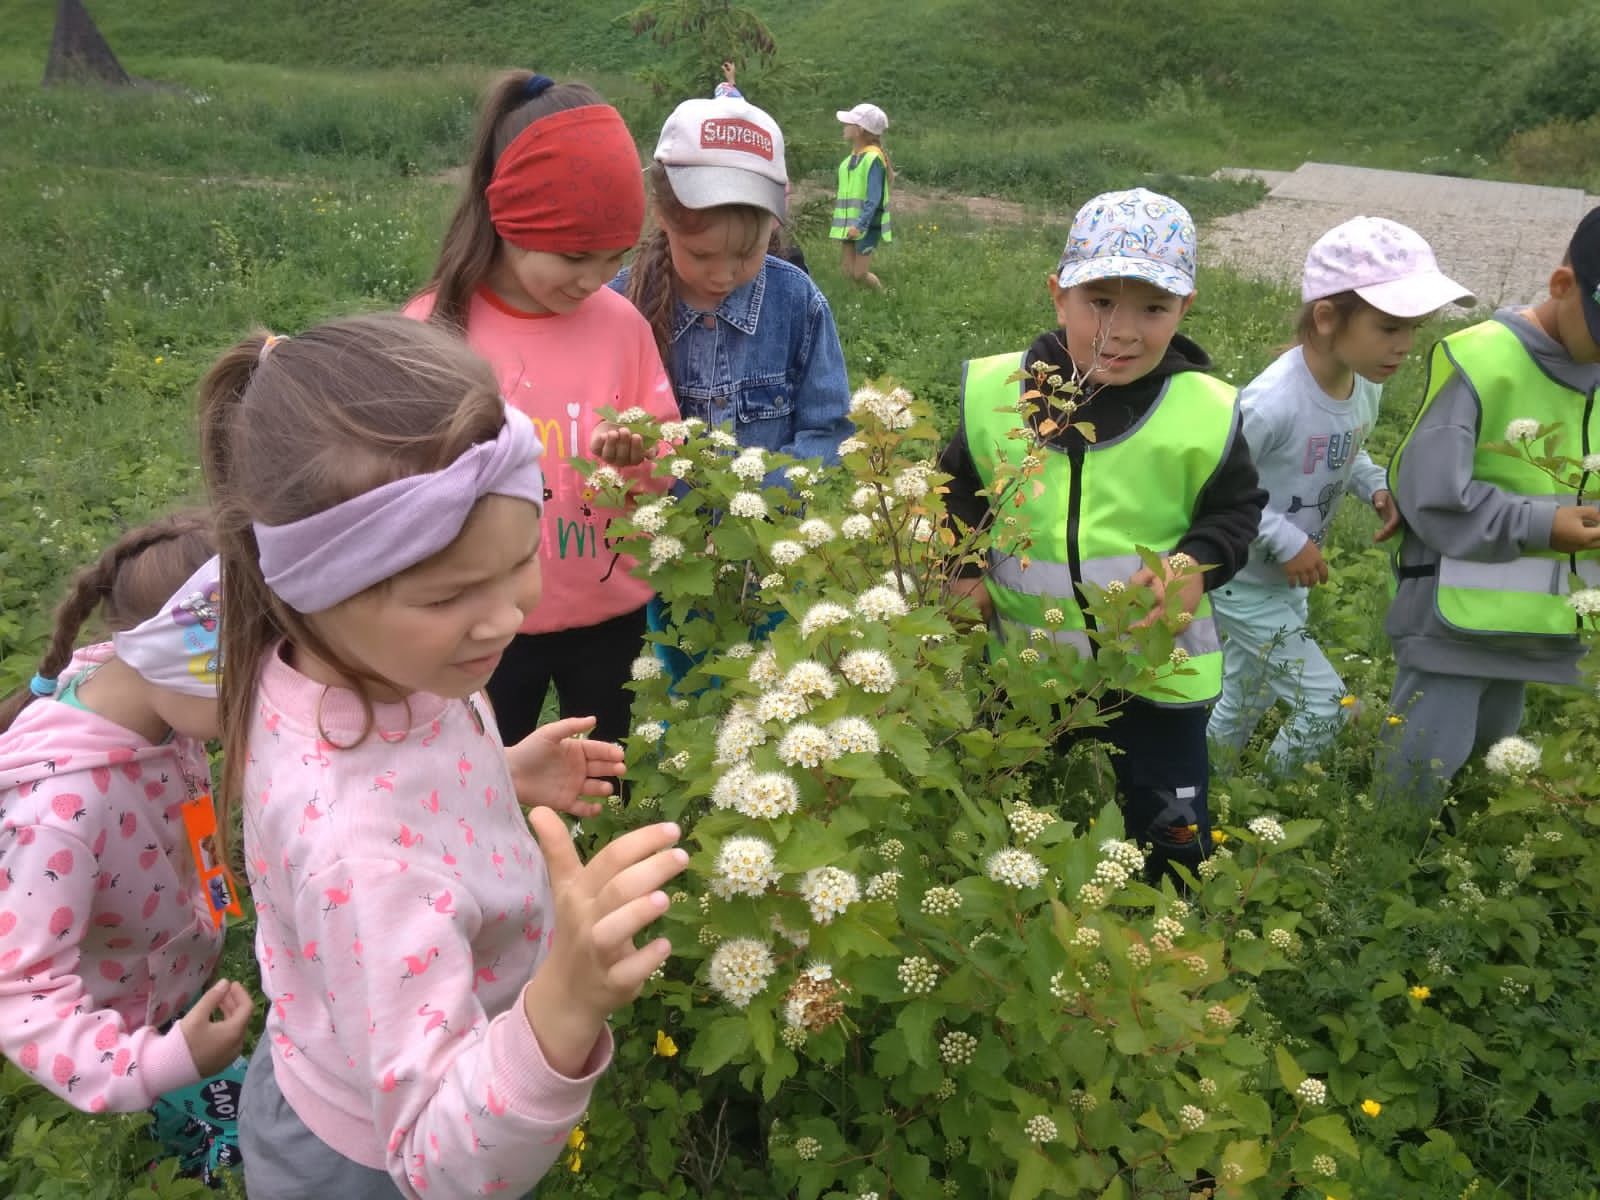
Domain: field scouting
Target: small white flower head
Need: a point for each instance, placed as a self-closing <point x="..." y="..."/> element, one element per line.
<point x="829" y="891"/>
<point x="821" y="616"/>
<point x="1523" y="429"/>
<point x="737" y="736"/>
<point x="750" y="464"/>
<point x="650" y="517"/>
<point x="1323" y="1164"/>
<point x="767" y="796"/>
<point x="780" y="704"/>
<point x="739" y="970"/>
<point x="865" y="399"/>
<point x="1179" y="561"/>
<point x="605" y="476"/>
<point x="769" y="582"/>
<point x="1116" y="587"/>
<point x="747" y="504"/>
<point x="764" y="668"/>
<point x="650" y="731"/>
<point x="745" y="867"/>
<point x="811" y="679"/>
<point x="722" y="439"/>
<point x="664" y="549"/>
<point x="1054" y="616"/>
<point x="905" y="583"/>
<point x="1280" y="939"/>
<point x="884" y="886"/>
<point x="1179" y="656"/>
<point x="1207" y="1086"/>
<point x="675" y="431"/>
<point x="1015" y="868"/>
<point x="807" y="1147"/>
<point x="853" y="735"/>
<point x="890" y="849"/>
<point x="1126" y="854"/>
<point x="815" y="532"/>
<point x="680" y="467"/>
<point x="856" y="527"/>
<point x="918" y="975"/>
<point x="1267" y="830"/>
<point x="851" y="445"/>
<point x="1586" y="602"/>
<point x="1312" y="1091"/>
<point x="1169" y="927"/>
<point x="958" y="1048"/>
<point x="1191" y="1117"/>
<point x="799" y="474"/>
<point x="646" y="666"/>
<point x="921" y="530"/>
<point x="912" y="483"/>
<point x="786" y="553"/>
<point x="1086" y="937"/>
<point x="1219" y="1016"/>
<point x="805" y="745"/>
<point x="740" y="650"/>
<point x="1512" y="756"/>
<point x="1082" y="1101"/>
<point x="869" y="670"/>
<point x="940" y="901"/>
<point x="1029" y="656"/>
<point x="1139" y="955"/>
<point x="864" y="497"/>
<point x="880" y="604"/>
<point x="1590" y="462"/>
<point x="678" y="762"/>
<point x="1040" y="1129"/>
<point x="1091" y="896"/>
<point x="632" y="416"/>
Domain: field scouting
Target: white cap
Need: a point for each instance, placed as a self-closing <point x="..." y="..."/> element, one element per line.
<point x="724" y="151"/>
<point x="1388" y="265"/>
<point x="869" y="116"/>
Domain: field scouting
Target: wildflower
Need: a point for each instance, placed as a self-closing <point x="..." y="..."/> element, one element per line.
<point x="884" y="886"/>
<point x="890" y="849"/>
<point x="1420" y="992"/>
<point x="851" y="445"/>
<point x="815" y="532"/>
<point x="1029" y="656"/>
<point x="940" y="901"/>
<point x="869" y="670"/>
<point x="737" y="736"/>
<point x="665" y="1046"/>
<point x="650" y="517"/>
<point x="1054" y="616"/>
<point x="865" y="399"/>
<point x="722" y="439"/>
<point x="911" y="483"/>
<point x="807" y="1147"/>
<point x="1191" y="1117"/>
<point x="1523" y="429"/>
<point x="1220" y="1016"/>
<point x="792" y="1036"/>
<point x="810" y="679"/>
<point x="675" y="431"/>
<point x="1590" y="462"/>
<point x="1180" y="562"/>
<point x="1207" y="1086"/>
<point x="1082" y="1101"/>
<point x="799" y="474"/>
<point x="749" y="464"/>
<point x="768" y="582"/>
<point x="1586" y="602"/>
<point x="785" y="553"/>
<point x="1015" y="868"/>
<point x="880" y="603"/>
<point x="739" y="970"/>
<point x="921" y="530"/>
<point x="576" y="1139"/>
<point x="665" y="549"/>
<point x="768" y="795"/>
<point x="646" y="667"/>
<point x="1394" y="719"/>
<point x="1218" y="837"/>
<point x="917" y="975"/>
<point x="1086" y="937"/>
<point x="805" y="745"/>
<point x="958" y="1048"/>
<point x="1371" y="1107"/>
<point x="1347" y="701"/>
<point x="740" y="650"/>
<point x="1028" y="823"/>
<point x="605" y="477"/>
<point x="650" y="731"/>
<point x="856" y="526"/>
<point x="747" y="504"/>
<point x="1267" y="830"/>
<point x="678" y="762"/>
<point x="1168" y="927"/>
<point x="745" y="867"/>
<point x="829" y="891"/>
<point x="1312" y="1091"/>
<point x="1040" y="1129"/>
<point x="1280" y="939"/>
<point x="1091" y="896"/>
<point x="852" y="735"/>
<point x="1178" y="657"/>
<point x="1139" y="955"/>
<point x="820" y="616"/>
<point x="780" y="704"/>
<point x="764" y="668"/>
<point x="1197" y="963"/>
<point x="1115" y="588"/>
<point x="680" y="467"/>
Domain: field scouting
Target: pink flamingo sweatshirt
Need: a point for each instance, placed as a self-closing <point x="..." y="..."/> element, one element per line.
<point x="402" y="905"/>
<point x="104" y="932"/>
<point x="561" y="369"/>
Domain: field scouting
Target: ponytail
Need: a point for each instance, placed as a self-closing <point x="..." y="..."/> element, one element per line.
<point x="513" y="102"/>
<point x="128" y="583"/>
<point x="650" y="290"/>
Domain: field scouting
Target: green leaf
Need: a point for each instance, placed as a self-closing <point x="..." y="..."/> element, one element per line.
<point x="1288" y="1070"/>
<point x="1033" y="1173"/>
<point x="1332" y="1131"/>
<point x="718" y="1043"/>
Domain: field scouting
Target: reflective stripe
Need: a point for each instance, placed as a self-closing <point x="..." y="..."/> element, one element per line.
<point x="1536" y="575"/>
<point x="1076" y="638"/>
<point x="1116" y="569"/>
<point x="1055" y="580"/>
<point x="1199" y="637"/>
<point x="1036" y="579"/>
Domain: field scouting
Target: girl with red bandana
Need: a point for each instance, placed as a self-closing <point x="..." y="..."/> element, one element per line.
<point x="554" y="198"/>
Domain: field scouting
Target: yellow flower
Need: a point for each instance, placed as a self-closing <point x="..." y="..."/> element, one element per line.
<point x="575" y="1163"/>
<point x="1420" y="993"/>
<point x="576" y="1139"/>
<point x="665" y="1046"/>
<point x="160" y="359"/>
<point x="1347" y="702"/>
<point x="1394" y="719"/>
<point x="1218" y="837"/>
<point x="1371" y="1107"/>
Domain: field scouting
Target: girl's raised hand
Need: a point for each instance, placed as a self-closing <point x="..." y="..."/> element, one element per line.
<point x="213" y="1044"/>
<point x="556" y="767"/>
<point x="593" y="966"/>
<point x="728" y="72"/>
<point x="616" y="447"/>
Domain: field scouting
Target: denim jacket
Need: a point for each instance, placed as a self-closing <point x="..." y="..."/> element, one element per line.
<point x="770" y="363"/>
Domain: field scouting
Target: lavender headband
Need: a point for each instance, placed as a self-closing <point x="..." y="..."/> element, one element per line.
<point x="177" y="648"/>
<point x="324" y="559"/>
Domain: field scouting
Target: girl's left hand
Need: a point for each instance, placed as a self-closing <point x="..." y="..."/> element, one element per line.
<point x="852" y="234"/>
<point x="728" y="72"/>
<point x="1388" y="512"/>
<point x="616" y="447"/>
<point x="1191" y="587"/>
<point x="555" y="768"/>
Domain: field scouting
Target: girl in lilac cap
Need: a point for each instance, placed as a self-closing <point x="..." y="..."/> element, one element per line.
<point x="439" y="977"/>
<point x="1368" y="285"/>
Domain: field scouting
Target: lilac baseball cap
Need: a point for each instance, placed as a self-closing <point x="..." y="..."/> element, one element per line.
<point x="1388" y="265"/>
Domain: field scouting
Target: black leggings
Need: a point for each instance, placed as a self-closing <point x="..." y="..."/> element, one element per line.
<point x="589" y="666"/>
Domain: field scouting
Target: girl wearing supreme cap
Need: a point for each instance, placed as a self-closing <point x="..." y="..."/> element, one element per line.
<point x="552" y="202"/>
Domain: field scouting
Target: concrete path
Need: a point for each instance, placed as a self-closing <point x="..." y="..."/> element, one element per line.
<point x="1500" y="239"/>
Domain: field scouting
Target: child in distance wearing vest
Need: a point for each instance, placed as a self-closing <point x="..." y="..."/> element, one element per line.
<point x="1368" y="284"/>
<point x="1168" y="470"/>
<point x="861" y="210"/>
<point x="1491" y="543"/>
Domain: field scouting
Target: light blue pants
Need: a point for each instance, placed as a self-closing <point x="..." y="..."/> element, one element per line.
<point x="1267" y="657"/>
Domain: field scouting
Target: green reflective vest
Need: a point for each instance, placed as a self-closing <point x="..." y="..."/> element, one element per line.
<point x="1528" y="594"/>
<point x="1139" y="489"/>
<point x="853" y="194"/>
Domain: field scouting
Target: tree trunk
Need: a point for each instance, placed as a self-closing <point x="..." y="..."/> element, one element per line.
<point x="78" y="52"/>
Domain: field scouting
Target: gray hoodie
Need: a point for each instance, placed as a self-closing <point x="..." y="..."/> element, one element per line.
<point x="1447" y="511"/>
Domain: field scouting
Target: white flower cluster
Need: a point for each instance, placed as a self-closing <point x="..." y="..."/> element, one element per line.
<point x="740" y="650"/>
<point x="1015" y="868"/>
<point x="822" y="616"/>
<point x="1523" y="429"/>
<point x="917" y="975"/>
<point x="745" y="867"/>
<point x="851" y="445"/>
<point x="893" y="410"/>
<point x="1512" y="756"/>
<point x="1139" y="955"/>
<point x="958" y="1048"/>
<point x="1323" y="1164"/>
<point x="1207" y="1086"/>
<point x="1082" y="1101"/>
<point x="786" y="553"/>
<point x="605" y="477"/>
<point x="737" y="736"/>
<point x="1191" y="1117"/>
<point x="767" y="796"/>
<point x="739" y="969"/>
<point x="1040" y="1129"/>
<point x="1280" y="939"/>
<point x="1086" y="937"/>
<point x="645" y="667"/>
<point x="912" y="482"/>
<point x="856" y="526"/>
<point x="747" y="504"/>
<point x="650" y="731"/>
<point x="650" y="517"/>
<point x="869" y="670"/>
<point x="1266" y="829"/>
<point x="810" y="679"/>
<point x="665" y="549"/>
<point x="1028" y="823"/>
<point x="780" y="704"/>
<point x="852" y="735"/>
<point x="764" y="668"/>
<point x="829" y="891"/>
<point x="750" y="464"/>
<point x="807" y="1147"/>
<point x="815" y="532"/>
<point x="940" y="901"/>
<point x="805" y="745"/>
<point x="722" y="439"/>
<point x="675" y="431"/>
<point x="1312" y="1091"/>
<point x="1585" y="602"/>
<point x="1169" y="928"/>
<point x="884" y="886"/>
<point x="890" y="849"/>
<point x="1590" y="462"/>
<point x="864" y="497"/>
<point x="881" y="603"/>
<point x="680" y="467"/>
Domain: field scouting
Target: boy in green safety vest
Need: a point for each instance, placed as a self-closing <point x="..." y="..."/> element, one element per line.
<point x="861" y="208"/>
<point x="1491" y="544"/>
<point x="1168" y="470"/>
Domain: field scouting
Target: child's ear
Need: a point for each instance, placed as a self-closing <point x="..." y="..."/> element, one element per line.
<point x="1058" y="297"/>
<point x="1188" y="303"/>
<point x="1562" y="282"/>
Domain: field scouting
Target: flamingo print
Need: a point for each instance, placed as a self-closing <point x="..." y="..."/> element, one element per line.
<point x="467" y="830"/>
<point x="435" y="1019"/>
<point x="338" y="898"/>
<point x="432" y="735"/>
<point x="443" y="903"/>
<point x="319" y="755"/>
<point x="384" y="783"/>
<point x="431" y="802"/>
<point x="311" y="813"/>
<point x="406" y="839"/>
<point x="486" y="974"/>
<point x="463" y="769"/>
<point x="416" y="966"/>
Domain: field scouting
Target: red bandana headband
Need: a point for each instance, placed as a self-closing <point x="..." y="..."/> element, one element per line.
<point x="569" y="184"/>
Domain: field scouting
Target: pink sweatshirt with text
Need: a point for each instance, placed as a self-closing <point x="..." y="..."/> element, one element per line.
<point x="402" y="905"/>
<point x="104" y="932"/>
<point x="561" y="369"/>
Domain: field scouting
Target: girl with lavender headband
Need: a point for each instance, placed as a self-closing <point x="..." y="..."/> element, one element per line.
<point x="379" y="526"/>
